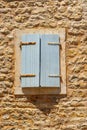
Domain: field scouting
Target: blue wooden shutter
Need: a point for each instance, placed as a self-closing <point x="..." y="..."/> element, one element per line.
<point x="50" y="61"/>
<point x="30" y="61"/>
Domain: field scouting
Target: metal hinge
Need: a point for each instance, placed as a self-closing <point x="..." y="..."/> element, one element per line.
<point x="27" y="43"/>
<point x="27" y="75"/>
<point x="54" y="43"/>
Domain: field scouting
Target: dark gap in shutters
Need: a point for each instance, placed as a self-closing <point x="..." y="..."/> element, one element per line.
<point x="40" y="63"/>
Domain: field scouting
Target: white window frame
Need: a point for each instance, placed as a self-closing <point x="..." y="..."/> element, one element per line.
<point x="35" y="91"/>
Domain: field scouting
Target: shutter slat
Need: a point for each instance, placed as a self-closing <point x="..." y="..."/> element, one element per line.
<point x="30" y="60"/>
<point x="50" y="57"/>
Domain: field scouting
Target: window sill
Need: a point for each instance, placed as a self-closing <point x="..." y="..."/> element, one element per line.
<point x="39" y="91"/>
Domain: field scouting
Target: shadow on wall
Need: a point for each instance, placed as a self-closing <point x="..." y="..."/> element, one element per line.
<point x="18" y="0"/>
<point x="45" y="103"/>
<point x="12" y="0"/>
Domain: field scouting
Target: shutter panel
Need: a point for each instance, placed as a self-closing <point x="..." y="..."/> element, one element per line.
<point x="30" y="61"/>
<point x="50" y="68"/>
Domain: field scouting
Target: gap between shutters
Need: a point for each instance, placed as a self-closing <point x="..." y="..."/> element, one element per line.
<point x="40" y="63"/>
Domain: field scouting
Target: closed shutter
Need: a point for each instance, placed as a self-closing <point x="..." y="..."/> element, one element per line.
<point x="30" y="60"/>
<point x="50" y="61"/>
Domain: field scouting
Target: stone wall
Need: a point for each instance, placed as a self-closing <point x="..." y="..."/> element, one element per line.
<point x="44" y="112"/>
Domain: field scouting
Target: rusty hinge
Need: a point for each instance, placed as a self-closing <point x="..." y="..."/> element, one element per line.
<point x="27" y="43"/>
<point x="27" y="75"/>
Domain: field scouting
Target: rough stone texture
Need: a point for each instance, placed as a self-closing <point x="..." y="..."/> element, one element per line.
<point x="44" y="112"/>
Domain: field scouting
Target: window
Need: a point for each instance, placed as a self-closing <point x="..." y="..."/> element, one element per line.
<point x="39" y="63"/>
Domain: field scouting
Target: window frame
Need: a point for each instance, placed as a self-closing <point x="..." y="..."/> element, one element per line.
<point x="39" y="90"/>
